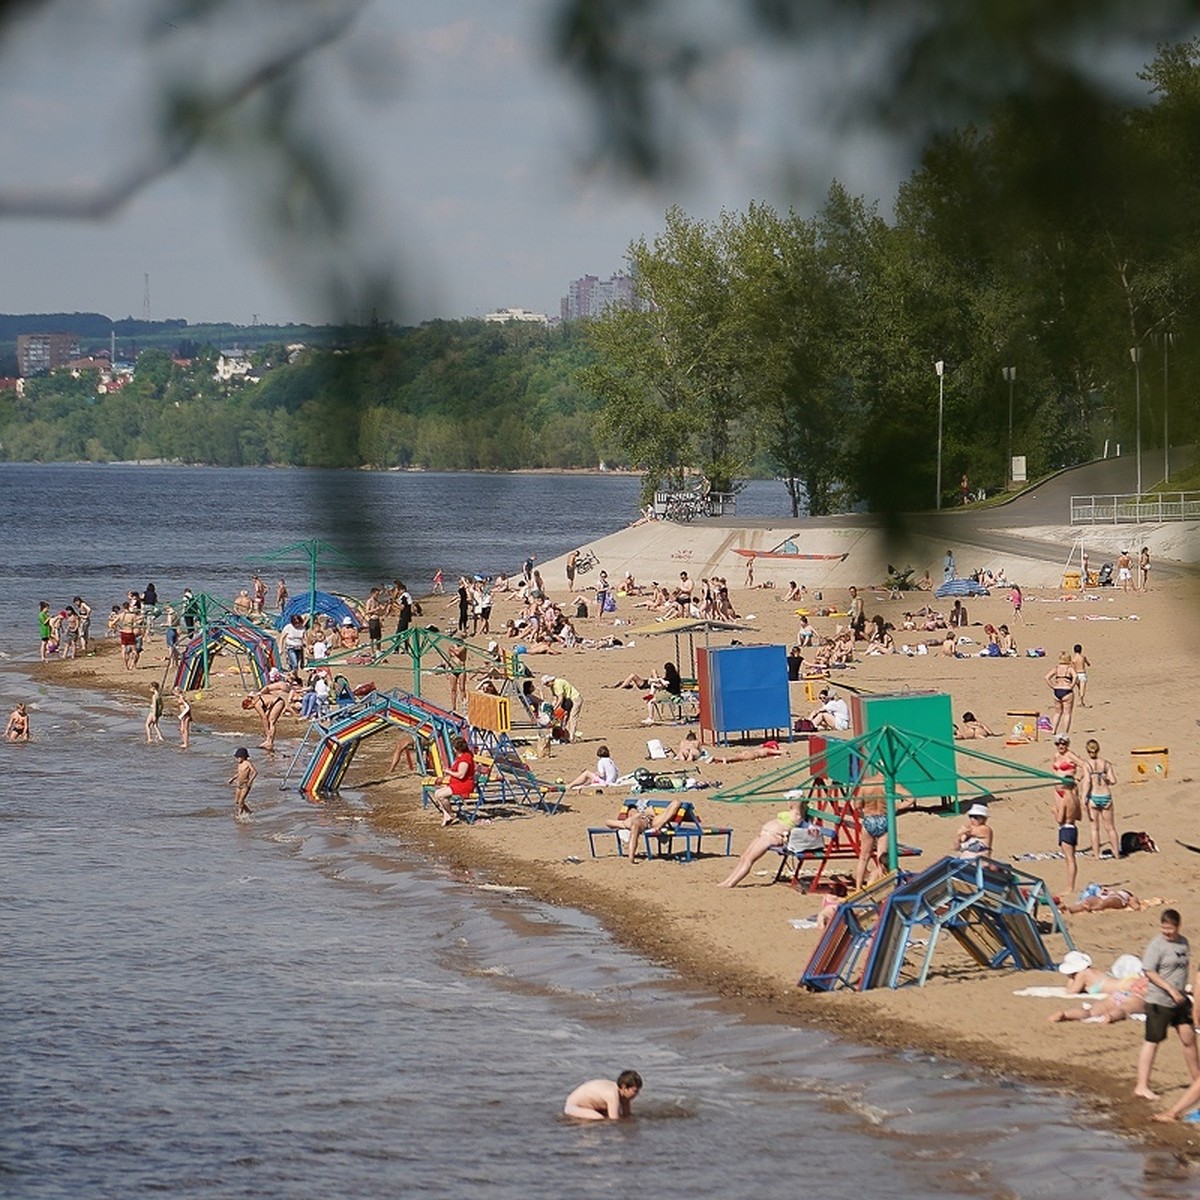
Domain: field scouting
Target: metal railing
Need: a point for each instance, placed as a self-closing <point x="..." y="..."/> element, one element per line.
<point x="688" y="506"/>
<point x="1151" y="509"/>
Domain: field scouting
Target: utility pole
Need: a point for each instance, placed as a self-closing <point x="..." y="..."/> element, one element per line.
<point x="940" y="368"/>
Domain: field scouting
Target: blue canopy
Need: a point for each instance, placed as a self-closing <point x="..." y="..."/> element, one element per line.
<point x="328" y="605"/>
<point x="961" y="587"/>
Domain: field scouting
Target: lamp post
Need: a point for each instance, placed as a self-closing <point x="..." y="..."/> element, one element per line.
<point x="1010" y="377"/>
<point x="940" y="368"/>
<point x="1168" y="343"/>
<point x="1135" y="353"/>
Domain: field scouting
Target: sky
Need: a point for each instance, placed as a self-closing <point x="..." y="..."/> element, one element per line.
<point x="463" y="148"/>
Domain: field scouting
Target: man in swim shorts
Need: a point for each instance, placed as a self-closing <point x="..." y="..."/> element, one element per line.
<point x="870" y="799"/>
<point x="1068" y="813"/>
<point x="604" y="1099"/>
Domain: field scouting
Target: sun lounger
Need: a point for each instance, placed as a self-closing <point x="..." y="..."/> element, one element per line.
<point x="683" y="837"/>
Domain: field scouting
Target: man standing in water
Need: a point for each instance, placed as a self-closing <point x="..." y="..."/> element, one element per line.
<point x="604" y="1099"/>
<point x="242" y="779"/>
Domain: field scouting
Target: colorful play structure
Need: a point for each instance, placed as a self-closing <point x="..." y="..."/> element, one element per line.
<point x="223" y="631"/>
<point x="502" y="776"/>
<point x="990" y="909"/>
<point x="340" y="734"/>
<point x="833" y="833"/>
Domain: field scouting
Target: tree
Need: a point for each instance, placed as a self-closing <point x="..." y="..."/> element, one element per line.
<point x="667" y="370"/>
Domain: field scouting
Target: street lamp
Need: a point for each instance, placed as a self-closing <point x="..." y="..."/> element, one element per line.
<point x="940" y="367"/>
<point x="1010" y="376"/>
<point x="1168" y="343"/>
<point x="1135" y="353"/>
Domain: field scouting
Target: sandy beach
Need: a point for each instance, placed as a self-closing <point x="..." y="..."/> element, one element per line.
<point x="740" y="942"/>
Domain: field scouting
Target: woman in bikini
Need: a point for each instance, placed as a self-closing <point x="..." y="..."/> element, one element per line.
<point x="1105" y="899"/>
<point x="1101" y="776"/>
<point x="1060" y="679"/>
<point x="270" y="707"/>
<point x="1110" y="999"/>
<point x="773" y="833"/>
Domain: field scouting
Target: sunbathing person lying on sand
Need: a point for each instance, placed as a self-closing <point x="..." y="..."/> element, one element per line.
<point x="770" y="749"/>
<point x="1115" y="998"/>
<point x="1102" y="899"/>
<point x="971" y="727"/>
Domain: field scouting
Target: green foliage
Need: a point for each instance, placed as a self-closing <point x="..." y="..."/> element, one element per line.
<point x="812" y="343"/>
<point x="447" y="396"/>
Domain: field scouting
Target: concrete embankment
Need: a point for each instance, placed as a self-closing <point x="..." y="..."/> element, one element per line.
<point x="860" y="554"/>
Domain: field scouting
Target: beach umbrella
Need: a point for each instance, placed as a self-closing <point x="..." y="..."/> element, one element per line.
<point x="687" y="627"/>
<point x="309" y="553"/>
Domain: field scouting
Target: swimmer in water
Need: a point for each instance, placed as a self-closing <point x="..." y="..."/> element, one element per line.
<point x="604" y="1099"/>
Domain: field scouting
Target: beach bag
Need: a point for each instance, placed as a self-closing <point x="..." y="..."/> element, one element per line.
<point x="805" y="838"/>
<point x="609" y="604"/>
<point x="1132" y="842"/>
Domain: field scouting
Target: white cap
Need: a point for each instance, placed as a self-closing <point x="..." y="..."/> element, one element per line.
<point x="977" y="810"/>
<point x="347" y="620"/>
<point x="547" y="678"/>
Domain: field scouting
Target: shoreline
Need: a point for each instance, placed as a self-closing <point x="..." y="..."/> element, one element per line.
<point x="738" y="945"/>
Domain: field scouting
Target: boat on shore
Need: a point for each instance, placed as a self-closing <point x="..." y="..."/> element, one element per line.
<point x="789" y="549"/>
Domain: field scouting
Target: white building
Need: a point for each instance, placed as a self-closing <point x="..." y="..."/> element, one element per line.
<point x="506" y="316"/>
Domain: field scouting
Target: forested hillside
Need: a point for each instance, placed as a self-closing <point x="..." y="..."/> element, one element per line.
<point x="445" y="396"/>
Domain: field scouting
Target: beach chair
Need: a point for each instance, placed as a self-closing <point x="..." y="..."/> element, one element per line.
<point x="677" y="710"/>
<point x="683" y="837"/>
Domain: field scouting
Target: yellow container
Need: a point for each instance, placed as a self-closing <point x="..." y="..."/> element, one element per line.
<point x="1148" y="762"/>
<point x="1024" y="724"/>
<point x="1072" y="581"/>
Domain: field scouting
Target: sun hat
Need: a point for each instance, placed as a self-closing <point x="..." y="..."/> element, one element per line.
<point x="1074" y="962"/>
<point x="547" y="678"/>
<point x="977" y="810"/>
<point x="1061" y="737"/>
<point x="1126" y="966"/>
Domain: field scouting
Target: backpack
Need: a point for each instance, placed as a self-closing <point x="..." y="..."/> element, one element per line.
<point x="1132" y="842"/>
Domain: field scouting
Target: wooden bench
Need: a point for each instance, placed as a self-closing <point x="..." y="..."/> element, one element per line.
<point x="686" y="826"/>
